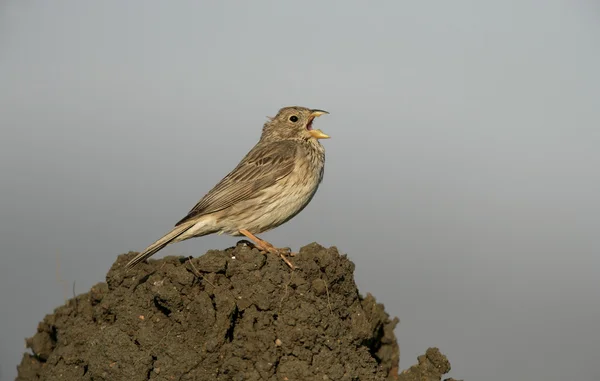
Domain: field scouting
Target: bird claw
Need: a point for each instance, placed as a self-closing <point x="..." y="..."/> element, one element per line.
<point x="283" y="253"/>
<point x="283" y="256"/>
<point x="266" y="247"/>
<point x="285" y="250"/>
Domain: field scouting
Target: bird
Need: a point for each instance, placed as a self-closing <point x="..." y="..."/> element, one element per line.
<point x="274" y="182"/>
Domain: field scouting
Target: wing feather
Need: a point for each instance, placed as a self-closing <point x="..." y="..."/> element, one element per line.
<point x="262" y="167"/>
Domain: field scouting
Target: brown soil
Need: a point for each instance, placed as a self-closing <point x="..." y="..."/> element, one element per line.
<point x="228" y="315"/>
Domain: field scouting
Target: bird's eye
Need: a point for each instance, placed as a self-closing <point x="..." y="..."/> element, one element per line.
<point x="294" y="118"/>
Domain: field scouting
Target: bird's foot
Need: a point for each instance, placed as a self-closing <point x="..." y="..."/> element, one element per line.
<point x="283" y="253"/>
<point x="288" y="251"/>
<point x="267" y="247"/>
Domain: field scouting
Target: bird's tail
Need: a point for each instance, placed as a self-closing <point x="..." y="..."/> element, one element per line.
<point x="156" y="246"/>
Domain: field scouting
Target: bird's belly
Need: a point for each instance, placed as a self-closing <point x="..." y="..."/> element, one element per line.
<point x="275" y="206"/>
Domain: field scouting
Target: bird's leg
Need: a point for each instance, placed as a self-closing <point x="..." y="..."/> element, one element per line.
<point x="267" y="247"/>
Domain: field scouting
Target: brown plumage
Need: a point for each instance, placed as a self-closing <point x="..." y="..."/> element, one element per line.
<point x="273" y="183"/>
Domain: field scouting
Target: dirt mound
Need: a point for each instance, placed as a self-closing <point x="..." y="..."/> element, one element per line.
<point x="431" y="367"/>
<point x="227" y="315"/>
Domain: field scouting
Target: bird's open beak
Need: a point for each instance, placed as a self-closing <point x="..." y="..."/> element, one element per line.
<point x="317" y="134"/>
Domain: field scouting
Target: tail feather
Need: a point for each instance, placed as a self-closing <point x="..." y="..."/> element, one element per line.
<point x="156" y="246"/>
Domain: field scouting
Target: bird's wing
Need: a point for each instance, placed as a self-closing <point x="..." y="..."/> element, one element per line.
<point x="262" y="167"/>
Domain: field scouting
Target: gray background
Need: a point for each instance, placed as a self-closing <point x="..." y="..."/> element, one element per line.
<point x="462" y="175"/>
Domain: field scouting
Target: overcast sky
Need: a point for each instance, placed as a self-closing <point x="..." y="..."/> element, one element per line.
<point x="462" y="176"/>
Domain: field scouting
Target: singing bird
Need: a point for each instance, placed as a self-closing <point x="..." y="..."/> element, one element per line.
<point x="273" y="183"/>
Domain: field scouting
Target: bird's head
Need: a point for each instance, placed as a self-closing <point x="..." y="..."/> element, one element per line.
<point x="293" y="123"/>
